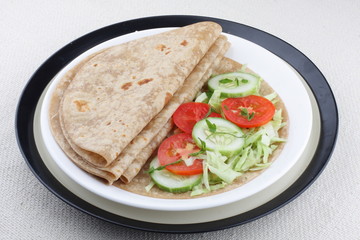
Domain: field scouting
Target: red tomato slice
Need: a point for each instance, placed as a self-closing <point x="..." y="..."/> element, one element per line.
<point x="259" y="111"/>
<point x="176" y="147"/>
<point x="214" y="114"/>
<point x="188" y="114"/>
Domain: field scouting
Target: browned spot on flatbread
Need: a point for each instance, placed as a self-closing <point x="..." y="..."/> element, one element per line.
<point x="160" y="47"/>
<point x="184" y="43"/>
<point x="126" y="86"/>
<point x="95" y="65"/>
<point x="168" y="97"/>
<point x="167" y="52"/>
<point x="133" y="77"/>
<point x="81" y="105"/>
<point x="144" y="81"/>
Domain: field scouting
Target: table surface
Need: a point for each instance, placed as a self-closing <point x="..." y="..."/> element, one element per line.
<point x="328" y="32"/>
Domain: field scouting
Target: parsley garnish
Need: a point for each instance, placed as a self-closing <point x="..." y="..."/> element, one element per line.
<point x="226" y="80"/>
<point x="245" y="113"/>
<point x="236" y="81"/>
<point x="152" y="169"/>
<point x="224" y="133"/>
<point x="211" y="126"/>
<point x="212" y="129"/>
<point x="208" y="113"/>
<point x="202" y="149"/>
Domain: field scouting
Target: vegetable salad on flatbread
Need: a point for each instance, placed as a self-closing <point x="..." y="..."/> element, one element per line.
<point x="211" y="151"/>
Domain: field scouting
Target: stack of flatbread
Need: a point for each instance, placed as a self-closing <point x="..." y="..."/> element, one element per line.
<point x="112" y="110"/>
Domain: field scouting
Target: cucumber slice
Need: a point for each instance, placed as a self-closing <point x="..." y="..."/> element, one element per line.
<point x="171" y="182"/>
<point x="227" y="139"/>
<point x="235" y="84"/>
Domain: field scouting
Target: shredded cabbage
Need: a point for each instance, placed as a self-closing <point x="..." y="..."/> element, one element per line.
<point x="205" y="179"/>
<point x="149" y="186"/>
<point x="243" y="68"/>
<point x="272" y="97"/>
<point x="189" y="161"/>
<point x="216" y="164"/>
<point x="198" y="190"/>
<point x="203" y="98"/>
<point x="215" y="101"/>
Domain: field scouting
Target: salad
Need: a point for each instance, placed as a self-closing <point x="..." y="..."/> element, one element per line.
<point x="229" y="129"/>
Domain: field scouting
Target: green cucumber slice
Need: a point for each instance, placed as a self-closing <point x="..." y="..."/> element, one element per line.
<point x="235" y="84"/>
<point x="171" y="182"/>
<point x="227" y="139"/>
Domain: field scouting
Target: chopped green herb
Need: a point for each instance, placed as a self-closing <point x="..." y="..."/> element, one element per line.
<point x="196" y="153"/>
<point x="245" y="113"/>
<point x="211" y="126"/>
<point x="226" y="80"/>
<point x="244" y="81"/>
<point x="251" y="116"/>
<point x="152" y="169"/>
<point x="208" y="113"/>
<point x="219" y="133"/>
<point x="203" y="144"/>
<point x="202" y="149"/>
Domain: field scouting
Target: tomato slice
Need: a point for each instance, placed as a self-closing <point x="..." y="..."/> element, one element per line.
<point x="176" y="147"/>
<point x="188" y="114"/>
<point x="214" y="114"/>
<point x="247" y="112"/>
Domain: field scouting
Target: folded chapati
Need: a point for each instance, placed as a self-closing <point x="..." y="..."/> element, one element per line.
<point x="108" y="112"/>
<point x="186" y="94"/>
<point x="117" y="92"/>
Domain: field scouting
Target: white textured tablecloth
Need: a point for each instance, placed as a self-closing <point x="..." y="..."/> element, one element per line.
<point x="328" y="32"/>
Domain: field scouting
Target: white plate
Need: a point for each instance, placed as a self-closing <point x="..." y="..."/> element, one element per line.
<point x="283" y="79"/>
<point x="182" y="217"/>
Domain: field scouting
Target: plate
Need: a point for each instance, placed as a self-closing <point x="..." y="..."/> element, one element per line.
<point x="180" y="217"/>
<point x="276" y="72"/>
<point x="326" y="106"/>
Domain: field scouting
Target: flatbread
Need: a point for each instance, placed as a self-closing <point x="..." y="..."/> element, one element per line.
<point x="115" y="94"/>
<point x="115" y="170"/>
<point x="188" y="93"/>
<point x="149" y="134"/>
<point x="55" y="122"/>
<point x="137" y="185"/>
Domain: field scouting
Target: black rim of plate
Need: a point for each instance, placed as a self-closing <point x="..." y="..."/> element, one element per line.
<point x="304" y="66"/>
